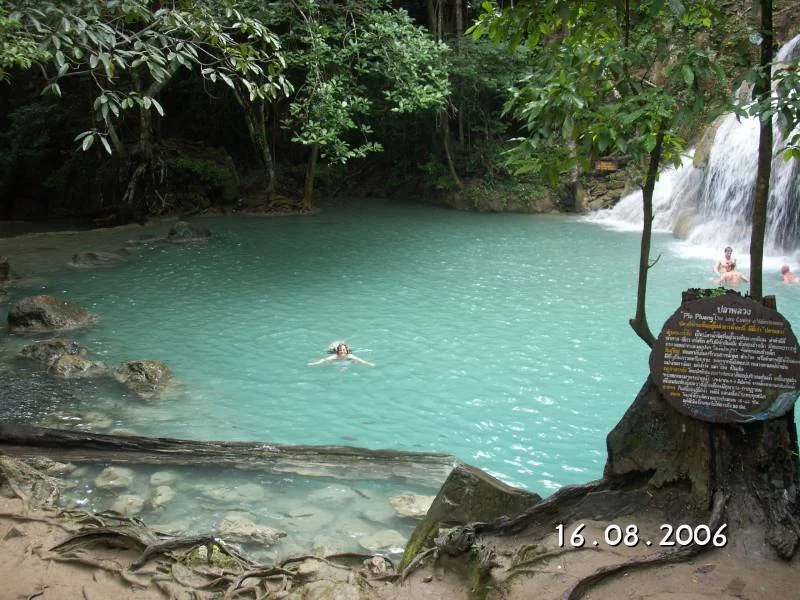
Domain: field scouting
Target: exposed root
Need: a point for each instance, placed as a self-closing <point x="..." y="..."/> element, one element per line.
<point x="681" y="553"/>
<point x="33" y="487"/>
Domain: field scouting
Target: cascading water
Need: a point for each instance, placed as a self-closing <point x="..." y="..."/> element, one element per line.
<point x="711" y="206"/>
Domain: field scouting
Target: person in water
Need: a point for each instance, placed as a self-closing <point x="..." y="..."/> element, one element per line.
<point x="726" y="269"/>
<point x="340" y="351"/>
<point x="725" y="264"/>
<point x="788" y="276"/>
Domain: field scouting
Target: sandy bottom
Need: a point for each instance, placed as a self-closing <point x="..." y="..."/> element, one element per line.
<point x="30" y="569"/>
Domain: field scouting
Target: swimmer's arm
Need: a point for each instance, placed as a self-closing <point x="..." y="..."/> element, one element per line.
<point x="322" y="360"/>
<point x="360" y="360"/>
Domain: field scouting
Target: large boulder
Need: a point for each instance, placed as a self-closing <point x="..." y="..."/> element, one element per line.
<point x="94" y="259"/>
<point x="48" y="351"/>
<point x="468" y="495"/>
<point x="147" y="378"/>
<point x="185" y="232"/>
<point x="47" y="313"/>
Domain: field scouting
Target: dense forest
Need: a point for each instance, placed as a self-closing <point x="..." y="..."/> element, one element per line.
<point x="124" y="109"/>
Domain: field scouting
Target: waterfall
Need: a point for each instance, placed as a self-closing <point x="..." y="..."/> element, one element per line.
<point x="711" y="206"/>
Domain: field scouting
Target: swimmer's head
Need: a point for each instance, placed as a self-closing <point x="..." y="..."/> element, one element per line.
<point x="785" y="269"/>
<point x="342" y="350"/>
<point x="728" y="250"/>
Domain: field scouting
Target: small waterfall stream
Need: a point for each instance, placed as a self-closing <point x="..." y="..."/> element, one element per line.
<point x="711" y="206"/>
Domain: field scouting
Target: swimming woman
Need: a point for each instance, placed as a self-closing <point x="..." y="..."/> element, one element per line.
<point x="340" y="351"/>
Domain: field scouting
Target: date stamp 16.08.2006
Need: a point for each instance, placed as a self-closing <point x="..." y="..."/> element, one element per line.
<point x="628" y="535"/>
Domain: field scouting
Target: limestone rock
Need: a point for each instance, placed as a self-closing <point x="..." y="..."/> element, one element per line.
<point x="334" y="494"/>
<point x="164" y="478"/>
<point x="147" y="378"/>
<point x="70" y="366"/>
<point x="239" y="527"/>
<point x="247" y="492"/>
<point x="184" y="232"/>
<point x="382" y="540"/>
<point x="128" y="505"/>
<point x="162" y="495"/>
<point x="411" y="505"/>
<point x="468" y="495"/>
<point x="50" y="467"/>
<point x="47" y="313"/>
<point x="114" y="478"/>
<point x="94" y="259"/>
<point x="48" y="351"/>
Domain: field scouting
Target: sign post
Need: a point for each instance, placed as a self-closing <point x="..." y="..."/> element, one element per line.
<point x="727" y="359"/>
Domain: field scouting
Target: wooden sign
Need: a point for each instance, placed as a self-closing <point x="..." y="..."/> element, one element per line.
<point x="606" y="165"/>
<point x="727" y="360"/>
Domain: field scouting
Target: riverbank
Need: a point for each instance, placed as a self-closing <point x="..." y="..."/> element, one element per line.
<point x="32" y="569"/>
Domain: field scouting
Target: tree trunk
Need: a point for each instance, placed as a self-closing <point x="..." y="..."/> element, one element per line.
<point x="754" y="465"/>
<point x="448" y="154"/>
<point x="255" y="118"/>
<point x="308" y="187"/>
<point x="639" y="322"/>
<point x="762" y="91"/>
<point x="460" y="52"/>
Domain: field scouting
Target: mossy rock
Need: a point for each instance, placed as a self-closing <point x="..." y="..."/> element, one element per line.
<point x="48" y="351"/>
<point x="468" y="495"/>
<point x="198" y="556"/>
<point x="47" y="313"/>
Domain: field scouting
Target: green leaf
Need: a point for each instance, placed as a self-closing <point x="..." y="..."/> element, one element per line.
<point x="159" y="109"/>
<point x="105" y="143"/>
<point x="87" y="142"/>
<point x="688" y="75"/>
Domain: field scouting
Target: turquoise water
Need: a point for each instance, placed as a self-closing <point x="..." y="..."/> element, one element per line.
<point x="502" y="339"/>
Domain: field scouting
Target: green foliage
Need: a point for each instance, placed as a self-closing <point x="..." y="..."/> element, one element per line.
<point x="607" y="81"/>
<point x="17" y="49"/>
<point x="197" y="176"/>
<point x="344" y="52"/>
<point x="785" y="105"/>
<point x="130" y="50"/>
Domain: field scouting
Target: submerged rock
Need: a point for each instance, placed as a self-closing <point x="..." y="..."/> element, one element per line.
<point x="239" y="527"/>
<point x="48" y="351"/>
<point x="128" y="505"/>
<point x="114" y="478"/>
<point x="247" y="492"/>
<point x="147" y="378"/>
<point x="160" y="478"/>
<point x="5" y="269"/>
<point x="162" y="495"/>
<point x="70" y="366"/>
<point x="184" y="232"/>
<point x="411" y="505"/>
<point x="47" y="313"/>
<point x="334" y="494"/>
<point x="89" y="260"/>
<point x="388" y="539"/>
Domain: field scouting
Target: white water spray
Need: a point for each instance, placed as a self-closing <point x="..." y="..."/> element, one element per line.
<point x="711" y="207"/>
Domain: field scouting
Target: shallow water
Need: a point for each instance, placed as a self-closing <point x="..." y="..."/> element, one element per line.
<point x="502" y="339"/>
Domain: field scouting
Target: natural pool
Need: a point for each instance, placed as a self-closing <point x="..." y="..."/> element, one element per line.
<point x="501" y="339"/>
